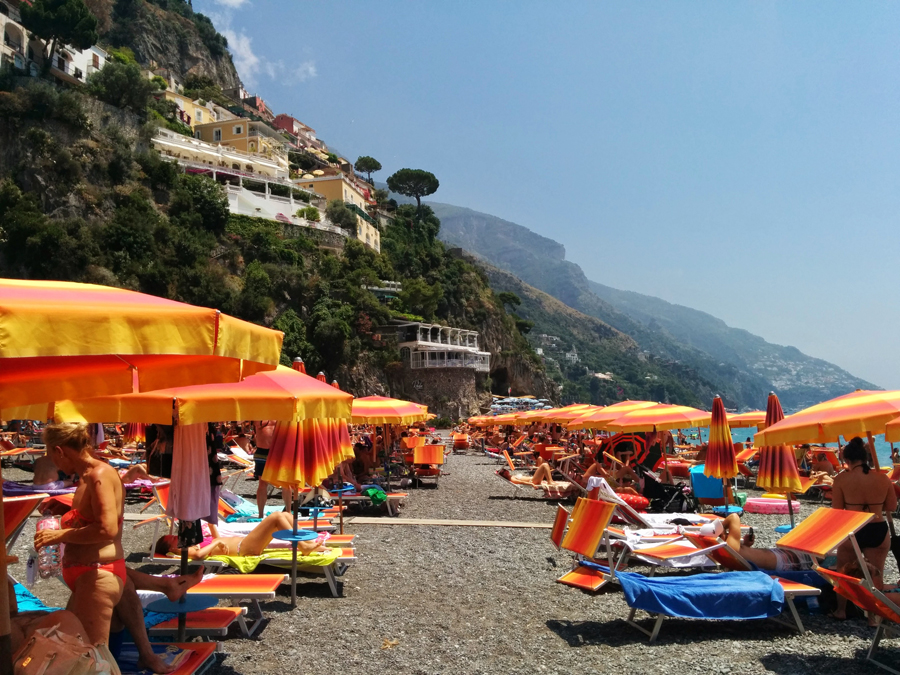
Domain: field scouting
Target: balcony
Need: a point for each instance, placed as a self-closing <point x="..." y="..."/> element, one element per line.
<point x="12" y="45"/>
<point x="480" y="362"/>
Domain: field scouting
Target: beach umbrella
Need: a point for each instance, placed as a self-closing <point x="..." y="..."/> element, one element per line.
<point x="282" y="394"/>
<point x="565" y="414"/>
<point x="307" y="176"/>
<point x="720" y="457"/>
<point x="661" y="417"/>
<point x="777" y="464"/>
<point x="383" y="410"/>
<point x="859" y="413"/>
<point x="334" y="383"/>
<point x="304" y="453"/>
<point x="61" y="339"/>
<point x="134" y="433"/>
<point x="507" y="418"/>
<point x="321" y="377"/>
<point x="756" y="418"/>
<point x="318" y="172"/>
<point x="299" y="365"/>
<point x="596" y="419"/>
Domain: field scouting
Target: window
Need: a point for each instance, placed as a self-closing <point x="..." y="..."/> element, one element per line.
<point x="197" y="135"/>
<point x="198" y="116"/>
<point x="238" y="130"/>
<point x="96" y="60"/>
<point x="4" y="10"/>
<point x="217" y="134"/>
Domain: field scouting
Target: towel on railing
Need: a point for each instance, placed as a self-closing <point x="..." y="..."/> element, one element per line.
<point x="729" y="596"/>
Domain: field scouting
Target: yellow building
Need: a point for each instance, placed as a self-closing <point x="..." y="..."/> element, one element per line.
<point x="192" y="112"/>
<point x="247" y="136"/>
<point x="353" y="194"/>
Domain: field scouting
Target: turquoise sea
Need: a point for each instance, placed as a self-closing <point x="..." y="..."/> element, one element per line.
<point x="882" y="447"/>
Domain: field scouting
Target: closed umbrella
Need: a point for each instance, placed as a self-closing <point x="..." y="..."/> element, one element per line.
<point x="62" y="339"/>
<point x="334" y="383"/>
<point x="720" y="456"/>
<point x="777" y="464"/>
<point x="299" y="366"/>
<point x="134" y="433"/>
<point x="321" y="377"/>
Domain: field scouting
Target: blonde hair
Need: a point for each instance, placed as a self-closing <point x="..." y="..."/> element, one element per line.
<point x="69" y="435"/>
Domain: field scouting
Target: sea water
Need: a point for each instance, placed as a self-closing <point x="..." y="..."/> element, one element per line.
<point x="882" y="447"/>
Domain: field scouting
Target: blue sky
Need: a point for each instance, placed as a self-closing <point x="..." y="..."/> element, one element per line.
<point x="739" y="158"/>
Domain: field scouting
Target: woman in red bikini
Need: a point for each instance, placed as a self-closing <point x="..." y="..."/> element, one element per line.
<point x="93" y="564"/>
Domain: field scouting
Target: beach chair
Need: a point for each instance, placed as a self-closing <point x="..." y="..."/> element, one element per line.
<point x="201" y="656"/>
<point x="559" y="526"/>
<point x="206" y="624"/>
<point x="238" y="588"/>
<point x="585" y="534"/>
<point x="427" y="462"/>
<point x="862" y="593"/>
<point x="16" y="511"/>
<point x="554" y="490"/>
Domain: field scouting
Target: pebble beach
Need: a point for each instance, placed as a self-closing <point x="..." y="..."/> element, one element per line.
<point x="475" y="599"/>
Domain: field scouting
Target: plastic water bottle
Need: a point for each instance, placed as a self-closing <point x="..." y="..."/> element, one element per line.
<point x="48" y="556"/>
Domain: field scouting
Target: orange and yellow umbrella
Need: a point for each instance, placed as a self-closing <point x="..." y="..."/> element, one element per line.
<point x="134" y="433"/>
<point x="321" y="377"/>
<point x="720" y="457"/>
<point x="307" y="452"/>
<point x="756" y="418"/>
<point x="506" y="418"/>
<point x="857" y="414"/>
<point x="777" y="464"/>
<point x="281" y="394"/>
<point x="565" y="414"/>
<point x="597" y="419"/>
<point x="383" y="410"/>
<point x="660" y="417"/>
<point x="63" y="340"/>
<point x="529" y="417"/>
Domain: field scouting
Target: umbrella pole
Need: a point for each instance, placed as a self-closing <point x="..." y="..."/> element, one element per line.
<point x="790" y="509"/>
<point x="296" y="506"/>
<point x="6" y="663"/>
<point x="182" y="616"/>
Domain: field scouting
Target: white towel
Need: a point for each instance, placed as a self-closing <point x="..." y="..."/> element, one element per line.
<point x="190" y="492"/>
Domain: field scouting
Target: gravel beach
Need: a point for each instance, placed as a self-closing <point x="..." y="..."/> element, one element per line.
<point x="451" y="599"/>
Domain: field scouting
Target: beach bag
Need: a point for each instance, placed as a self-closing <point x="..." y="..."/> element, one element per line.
<point x="52" y="652"/>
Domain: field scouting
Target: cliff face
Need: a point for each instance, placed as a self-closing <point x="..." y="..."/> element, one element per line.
<point x="172" y="41"/>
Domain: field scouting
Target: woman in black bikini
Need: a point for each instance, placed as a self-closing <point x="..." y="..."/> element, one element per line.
<point x="860" y="489"/>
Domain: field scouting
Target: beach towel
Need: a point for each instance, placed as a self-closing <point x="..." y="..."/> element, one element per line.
<point x="376" y="494"/>
<point x="248" y="563"/>
<point x="733" y="596"/>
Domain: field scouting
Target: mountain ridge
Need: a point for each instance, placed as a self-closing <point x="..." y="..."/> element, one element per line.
<point x="743" y="366"/>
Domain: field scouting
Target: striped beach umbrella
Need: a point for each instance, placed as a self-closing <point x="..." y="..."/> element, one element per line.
<point x="597" y="419"/>
<point x="777" y="464"/>
<point x="861" y="413"/>
<point x="134" y="433"/>
<point x="756" y="418"/>
<point x="720" y="457"/>
<point x="384" y="410"/>
<point x="307" y="452"/>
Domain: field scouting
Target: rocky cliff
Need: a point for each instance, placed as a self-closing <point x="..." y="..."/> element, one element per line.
<point x="184" y="42"/>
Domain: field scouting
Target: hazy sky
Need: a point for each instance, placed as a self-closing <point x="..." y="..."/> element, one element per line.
<point x="739" y="158"/>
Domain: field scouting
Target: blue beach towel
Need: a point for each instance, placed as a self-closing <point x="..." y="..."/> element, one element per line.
<point x="732" y="596"/>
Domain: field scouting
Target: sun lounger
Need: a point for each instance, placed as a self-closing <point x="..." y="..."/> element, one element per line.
<point x="16" y="511"/>
<point x="554" y="490"/>
<point x="864" y="594"/>
<point x="427" y="462"/>
<point x="587" y="531"/>
<point x="202" y="655"/>
<point x="205" y="624"/>
<point x="237" y="588"/>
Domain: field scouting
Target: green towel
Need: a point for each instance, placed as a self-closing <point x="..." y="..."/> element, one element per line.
<point x="248" y="563"/>
<point x="377" y="495"/>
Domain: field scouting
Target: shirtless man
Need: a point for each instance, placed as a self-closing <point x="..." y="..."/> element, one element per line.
<point x="252" y="544"/>
<point x="47" y="474"/>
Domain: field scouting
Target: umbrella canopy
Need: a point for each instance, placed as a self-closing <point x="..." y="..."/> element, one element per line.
<point x="720" y="458"/>
<point x="660" y="417"/>
<point x="777" y="465"/>
<point x="306" y="453"/>
<point x="756" y="418"/>
<point x="529" y="417"/>
<point x="565" y="414"/>
<point x="282" y="394"/>
<point x="62" y="340"/>
<point x="508" y="418"/>
<point x="383" y="410"/>
<point x="857" y="414"/>
<point x="597" y="419"/>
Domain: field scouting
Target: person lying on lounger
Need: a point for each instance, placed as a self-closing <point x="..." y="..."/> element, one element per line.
<point x="621" y="481"/>
<point x="542" y="471"/>
<point x="776" y="559"/>
<point x="252" y="544"/>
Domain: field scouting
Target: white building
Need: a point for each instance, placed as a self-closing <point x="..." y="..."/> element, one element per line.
<point x="424" y="345"/>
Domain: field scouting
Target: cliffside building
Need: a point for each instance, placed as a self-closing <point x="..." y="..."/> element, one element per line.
<point x="424" y="345"/>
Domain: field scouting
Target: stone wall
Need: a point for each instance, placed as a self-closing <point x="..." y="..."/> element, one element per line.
<point x="448" y="392"/>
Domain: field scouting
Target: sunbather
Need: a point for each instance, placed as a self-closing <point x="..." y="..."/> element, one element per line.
<point x="821" y="465"/>
<point x="542" y="471"/>
<point x="779" y="560"/>
<point x="250" y="545"/>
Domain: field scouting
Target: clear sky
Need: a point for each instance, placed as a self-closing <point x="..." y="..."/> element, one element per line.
<point x="739" y="158"/>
